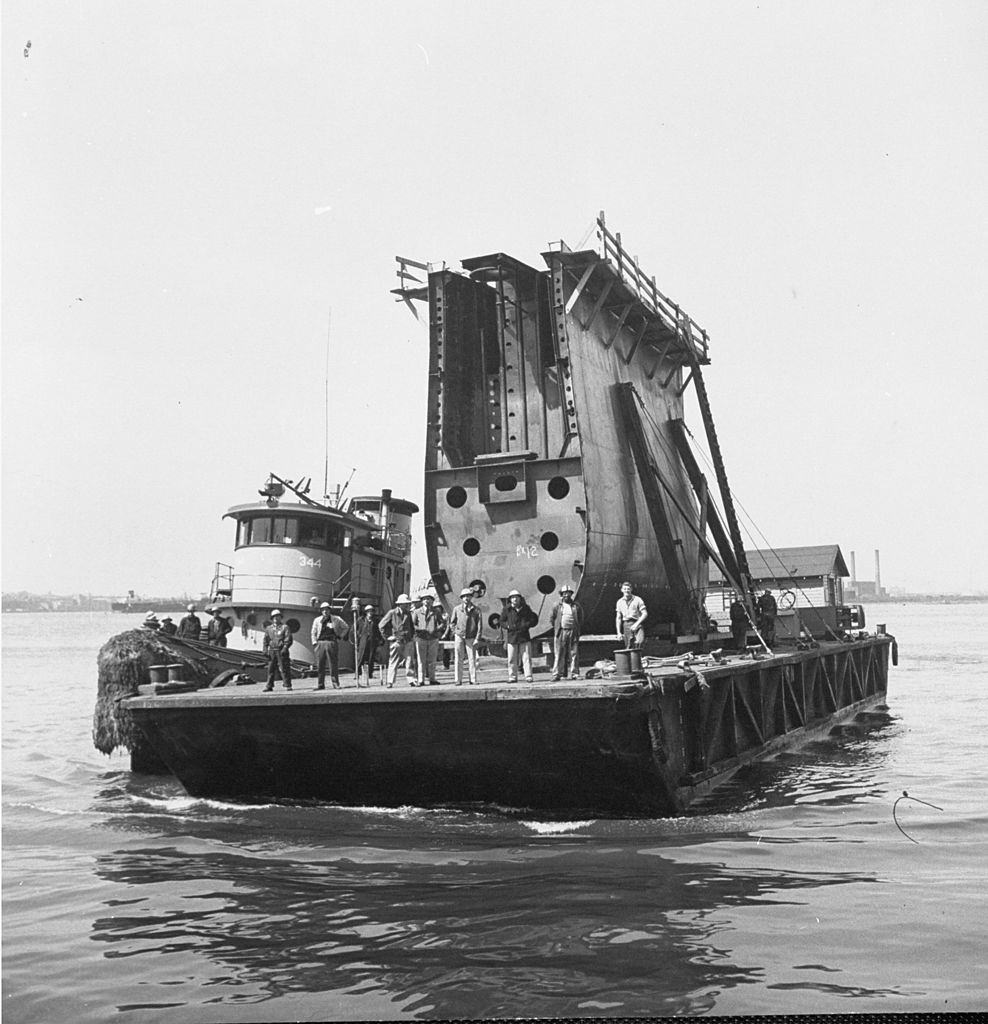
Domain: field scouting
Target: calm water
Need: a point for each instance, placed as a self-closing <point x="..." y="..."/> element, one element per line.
<point x="123" y="899"/>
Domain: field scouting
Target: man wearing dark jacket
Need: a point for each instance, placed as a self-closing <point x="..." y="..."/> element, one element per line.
<point x="190" y="627"/>
<point x="567" y="619"/>
<point x="218" y="628"/>
<point x="517" y="622"/>
<point x="277" y="642"/>
<point x="767" y="611"/>
<point x="327" y="631"/>
<point x="739" y="624"/>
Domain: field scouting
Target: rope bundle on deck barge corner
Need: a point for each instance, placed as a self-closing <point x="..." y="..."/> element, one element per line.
<point x="124" y="664"/>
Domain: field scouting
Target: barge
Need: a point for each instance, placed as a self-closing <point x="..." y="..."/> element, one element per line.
<point x="647" y="746"/>
<point x="556" y="454"/>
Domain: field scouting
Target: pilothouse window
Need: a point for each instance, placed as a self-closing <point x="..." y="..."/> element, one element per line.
<point x="304" y="532"/>
<point x="284" y="530"/>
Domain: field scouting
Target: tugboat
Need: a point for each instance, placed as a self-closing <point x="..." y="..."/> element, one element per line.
<point x="294" y="553"/>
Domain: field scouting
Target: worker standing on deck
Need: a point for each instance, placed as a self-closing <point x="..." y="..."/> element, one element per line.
<point x="768" y="609"/>
<point x="277" y="642"/>
<point x="630" y="616"/>
<point x="739" y="624"/>
<point x="567" y="619"/>
<point x="396" y="628"/>
<point x="218" y="628"/>
<point x="190" y="628"/>
<point x="412" y="654"/>
<point x="518" y="621"/>
<point x="327" y="631"/>
<point x="464" y="626"/>
<point x="428" y="625"/>
<point x="366" y="640"/>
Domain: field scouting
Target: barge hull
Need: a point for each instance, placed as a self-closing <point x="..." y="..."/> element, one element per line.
<point x="620" y="748"/>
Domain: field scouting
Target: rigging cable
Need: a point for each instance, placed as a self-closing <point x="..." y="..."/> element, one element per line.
<point x="785" y="571"/>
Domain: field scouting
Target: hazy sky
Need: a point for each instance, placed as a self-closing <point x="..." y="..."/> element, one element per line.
<point x="807" y="179"/>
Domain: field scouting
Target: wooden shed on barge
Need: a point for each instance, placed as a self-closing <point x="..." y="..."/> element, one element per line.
<point x="807" y="583"/>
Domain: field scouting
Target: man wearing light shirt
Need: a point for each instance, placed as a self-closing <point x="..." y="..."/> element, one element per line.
<point x="630" y="616"/>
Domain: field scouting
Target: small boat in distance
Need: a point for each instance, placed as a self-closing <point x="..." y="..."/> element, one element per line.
<point x="134" y="603"/>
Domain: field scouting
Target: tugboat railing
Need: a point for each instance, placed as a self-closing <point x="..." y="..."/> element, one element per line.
<point x="278" y="588"/>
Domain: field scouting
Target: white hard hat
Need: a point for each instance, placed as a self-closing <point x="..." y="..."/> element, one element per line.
<point x="566" y="589"/>
<point x="466" y="592"/>
<point x="368" y="607"/>
<point x="403" y="599"/>
<point x="275" y="611"/>
<point x="514" y="593"/>
<point x="191" y="607"/>
<point x="325" y="604"/>
<point x="425" y="595"/>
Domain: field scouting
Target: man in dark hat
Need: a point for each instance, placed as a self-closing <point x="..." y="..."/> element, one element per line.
<point x="768" y="609"/>
<point x="366" y="641"/>
<point x="167" y="626"/>
<point x="739" y="624"/>
<point x="277" y="642"/>
<point x="218" y="628"/>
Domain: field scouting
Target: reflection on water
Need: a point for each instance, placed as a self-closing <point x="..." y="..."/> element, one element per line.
<point x="574" y="930"/>
<point x="835" y="771"/>
<point x="453" y="914"/>
<point x="789" y="891"/>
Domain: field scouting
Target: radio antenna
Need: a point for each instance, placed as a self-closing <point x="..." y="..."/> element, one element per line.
<point x="325" y="472"/>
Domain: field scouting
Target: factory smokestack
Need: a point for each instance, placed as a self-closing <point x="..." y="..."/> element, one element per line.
<point x="878" y="576"/>
<point x="854" y="572"/>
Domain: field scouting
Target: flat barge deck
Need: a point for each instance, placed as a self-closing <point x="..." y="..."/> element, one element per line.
<point x="621" y="746"/>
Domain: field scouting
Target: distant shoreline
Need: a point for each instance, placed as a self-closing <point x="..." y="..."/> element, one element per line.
<point x="49" y="603"/>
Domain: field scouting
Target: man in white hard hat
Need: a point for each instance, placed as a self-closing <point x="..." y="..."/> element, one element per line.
<point x="517" y="622"/>
<point x="465" y="627"/>
<point x="567" y="618"/>
<point x="327" y="631"/>
<point x="189" y="628"/>
<point x="277" y="642"/>
<point x="396" y="627"/>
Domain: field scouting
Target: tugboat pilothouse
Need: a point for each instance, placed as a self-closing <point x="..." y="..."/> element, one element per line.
<point x="294" y="554"/>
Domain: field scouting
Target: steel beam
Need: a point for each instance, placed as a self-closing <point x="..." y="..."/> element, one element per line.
<point x="655" y="503"/>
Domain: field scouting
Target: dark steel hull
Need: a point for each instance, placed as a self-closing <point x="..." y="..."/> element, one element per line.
<point x="530" y="482"/>
<point x="618" y="748"/>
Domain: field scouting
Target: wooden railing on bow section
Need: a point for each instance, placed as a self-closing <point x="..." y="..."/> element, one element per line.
<point x="646" y="290"/>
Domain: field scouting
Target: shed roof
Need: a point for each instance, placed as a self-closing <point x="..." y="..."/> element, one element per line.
<point x="781" y="563"/>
